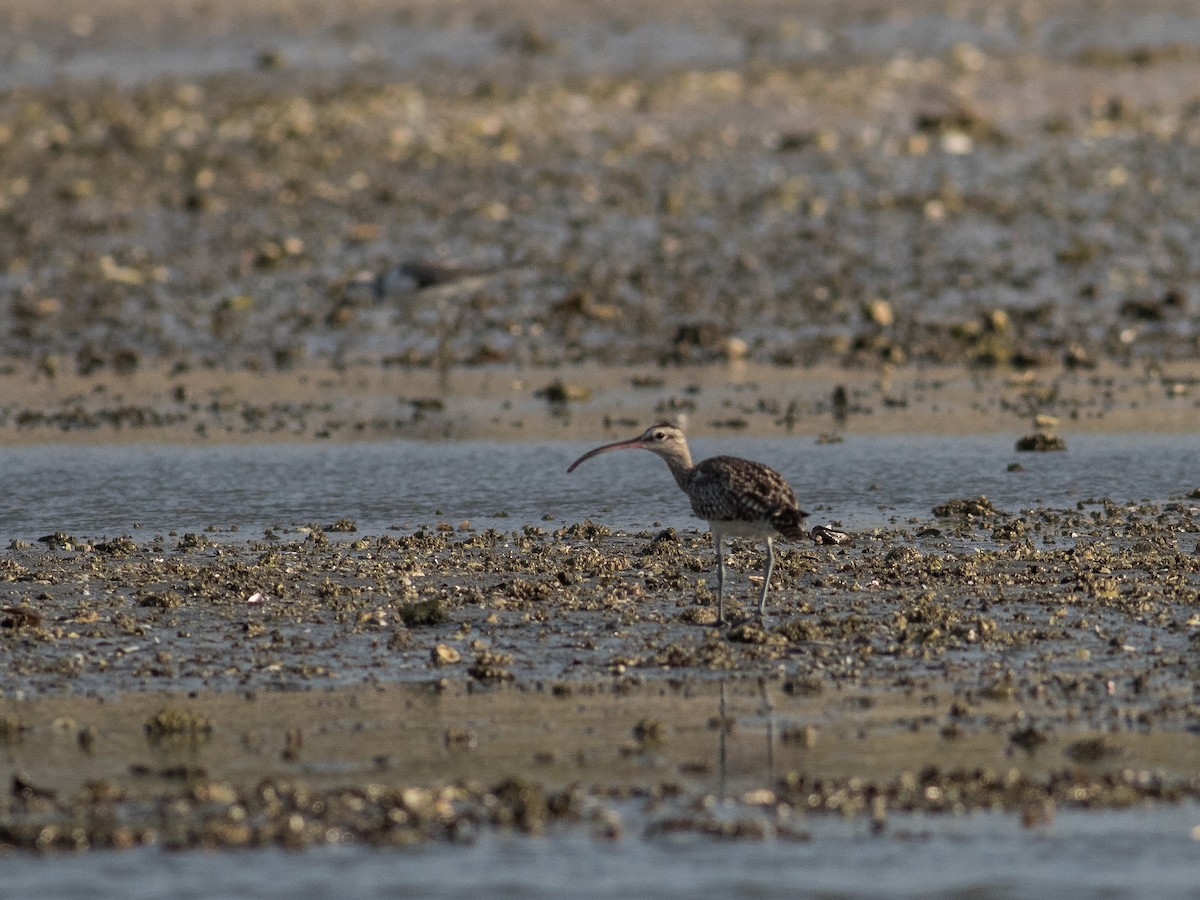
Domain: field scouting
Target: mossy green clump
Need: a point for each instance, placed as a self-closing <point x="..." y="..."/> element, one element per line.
<point x="171" y="721"/>
<point x="423" y="613"/>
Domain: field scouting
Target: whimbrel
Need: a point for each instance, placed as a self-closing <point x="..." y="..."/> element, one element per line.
<point x="737" y="497"/>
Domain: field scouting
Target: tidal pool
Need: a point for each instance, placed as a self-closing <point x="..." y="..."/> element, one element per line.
<point x="865" y="482"/>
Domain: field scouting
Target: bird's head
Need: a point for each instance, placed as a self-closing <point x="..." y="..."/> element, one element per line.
<point x="664" y="439"/>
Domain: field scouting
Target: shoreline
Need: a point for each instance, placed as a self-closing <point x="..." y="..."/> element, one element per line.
<point x="586" y="402"/>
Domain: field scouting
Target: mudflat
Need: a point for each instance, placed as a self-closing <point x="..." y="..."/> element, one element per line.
<point x="544" y="221"/>
<point x="392" y="689"/>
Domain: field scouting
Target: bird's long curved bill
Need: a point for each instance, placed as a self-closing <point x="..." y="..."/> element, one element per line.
<point x="616" y="445"/>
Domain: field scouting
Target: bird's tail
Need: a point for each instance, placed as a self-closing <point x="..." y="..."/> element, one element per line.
<point x="791" y="524"/>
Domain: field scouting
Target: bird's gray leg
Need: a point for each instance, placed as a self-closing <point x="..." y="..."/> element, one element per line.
<point x="767" y="569"/>
<point x="718" y="540"/>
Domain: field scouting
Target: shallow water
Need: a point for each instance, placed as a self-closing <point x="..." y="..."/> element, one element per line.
<point x="863" y="483"/>
<point x="1132" y="853"/>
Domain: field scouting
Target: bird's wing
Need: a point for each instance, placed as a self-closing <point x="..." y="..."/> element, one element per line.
<point x="729" y="488"/>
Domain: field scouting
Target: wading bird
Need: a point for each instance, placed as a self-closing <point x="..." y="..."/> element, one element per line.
<point x="737" y="497"/>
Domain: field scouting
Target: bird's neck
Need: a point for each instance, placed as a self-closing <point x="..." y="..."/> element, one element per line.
<point x="681" y="467"/>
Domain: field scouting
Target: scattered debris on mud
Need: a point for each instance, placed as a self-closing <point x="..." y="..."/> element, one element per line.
<point x="1026" y="659"/>
<point x="563" y="224"/>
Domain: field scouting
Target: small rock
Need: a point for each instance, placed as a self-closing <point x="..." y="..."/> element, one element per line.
<point x="979" y="506"/>
<point x="822" y="534"/>
<point x="561" y="392"/>
<point x="20" y="617"/>
<point x="490" y="666"/>
<point x="423" y="613"/>
<point x="445" y="655"/>
<point x="1040" y="442"/>
<point x="1028" y="739"/>
<point x="736" y="348"/>
<point x="171" y="721"/>
<point x="1092" y="750"/>
<point x="60" y="540"/>
<point x="879" y="312"/>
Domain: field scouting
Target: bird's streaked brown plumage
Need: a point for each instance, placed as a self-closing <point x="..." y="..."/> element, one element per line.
<point x="729" y="488"/>
<point x="737" y="497"/>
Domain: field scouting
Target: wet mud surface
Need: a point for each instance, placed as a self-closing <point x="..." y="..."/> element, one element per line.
<point x="395" y="766"/>
<point x="389" y="690"/>
<point x="795" y="186"/>
<point x="477" y="220"/>
<point x="971" y="586"/>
